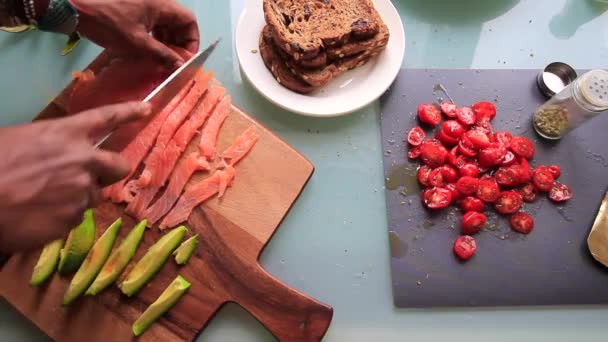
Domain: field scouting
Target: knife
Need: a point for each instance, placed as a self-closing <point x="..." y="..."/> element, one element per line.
<point x="167" y="90"/>
<point x="598" y="238"/>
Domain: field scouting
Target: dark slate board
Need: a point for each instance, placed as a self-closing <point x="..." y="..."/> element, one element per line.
<point x="550" y="266"/>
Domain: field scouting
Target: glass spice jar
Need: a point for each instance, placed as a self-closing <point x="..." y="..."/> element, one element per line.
<point x="580" y="101"/>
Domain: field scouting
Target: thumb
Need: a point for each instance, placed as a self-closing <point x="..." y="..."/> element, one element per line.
<point x="147" y="44"/>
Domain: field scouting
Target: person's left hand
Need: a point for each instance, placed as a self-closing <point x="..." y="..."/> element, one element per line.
<point x="124" y="25"/>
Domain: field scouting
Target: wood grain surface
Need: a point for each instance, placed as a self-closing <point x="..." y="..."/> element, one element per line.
<point x="225" y="268"/>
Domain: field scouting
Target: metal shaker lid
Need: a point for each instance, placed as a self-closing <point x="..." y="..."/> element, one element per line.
<point x="555" y="77"/>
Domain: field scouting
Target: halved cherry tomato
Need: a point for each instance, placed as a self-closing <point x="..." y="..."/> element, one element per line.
<point x="478" y="138"/>
<point x="465" y="115"/>
<point x="466" y="148"/>
<point x="436" y="198"/>
<point x="473" y="222"/>
<point x="484" y="126"/>
<point x="436" y="178"/>
<point x="449" y="173"/>
<point x="414" y="152"/>
<point x="484" y="110"/>
<point x="465" y="247"/>
<point x="508" y="202"/>
<point x="456" y="195"/>
<point x="522" y="147"/>
<point x="506" y="176"/>
<point x="488" y="190"/>
<point x="522" y="223"/>
<point x="509" y="159"/>
<point x="429" y="114"/>
<point x="491" y="155"/>
<point x="502" y="137"/>
<point x="471" y="203"/>
<point x="416" y="136"/>
<point x="555" y="170"/>
<point x="446" y="139"/>
<point x="528" y="193"/>
<point x="526" y="171"/>
<point x="453" y="128"/>
<point x="433" y="155"/>
<point x="451" y="157"/>
<point x="542" y="179"/>
<point x="469" y="169"/>
<point x="423" y="175"/>
<point x="449" y="109"/>
<point x="560" y="192"/>
<point x="467" y="185"/>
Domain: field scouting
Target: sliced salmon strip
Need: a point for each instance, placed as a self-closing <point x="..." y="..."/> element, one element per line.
<point x="195" y="195"/>
<point x="168" y="158"/>
<point x="241" y="146"/>
<point x="194" y="162"/>
<point x="212" y="128"/>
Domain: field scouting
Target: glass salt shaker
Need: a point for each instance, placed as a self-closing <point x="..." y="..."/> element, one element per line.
<point x="580" y="101"/>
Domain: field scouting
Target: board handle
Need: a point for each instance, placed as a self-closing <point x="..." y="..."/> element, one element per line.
<point x="287" y="313"/>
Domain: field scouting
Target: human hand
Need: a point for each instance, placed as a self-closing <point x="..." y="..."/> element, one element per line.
<point x="124" y="25"/>
<point x="50" y="173"/>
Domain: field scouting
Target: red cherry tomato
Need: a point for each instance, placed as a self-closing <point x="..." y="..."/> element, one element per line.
<point x="423" y="175"/>
<point x="469" y="169"/>
<point x="433" y="155"/>
<point x="416" y="136"/>
<point x="509" y="159"/>
<point x="432" y="141"/>
<point x="436" y="178"/>
<point x="488" y="190"/>
<point x="414" y="152"/>
<point x="429" y="114"/>
<point x="466" y="148"/>
<point x="478" y="138"/>
<point x="560" y="192"/>
<point x="526" y="171"/>
<point x="484" y="110"/>
<point x="473" y="222"/>
<point x="522" y="223"/>
<point x="436" y="198"/>
<point x="502" y="137"/>
<point x="555" y="170"/>
<point x="465" y="115"/>
<point x="451" y="157"/>
<point x="528" y="193"/>
<point x="465" y="247"/>
<point x="449" y="109"/>
<point x="453" y="128"/>
<point x="449" y="173"/>
<point x="508" y="202"/>
<point x="484" y="126"/>
<point x="467" y="185"/>
<point x="522" y="147"/>
<point x="491" y="155"/>
<point x="446" y="139"/>
<point x="542" y="179"/>
<point x="506" y="176"/>
<point x="471" y="203"/>
<point x="456" y="195"/>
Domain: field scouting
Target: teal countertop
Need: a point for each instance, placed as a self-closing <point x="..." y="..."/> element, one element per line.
<point x="333" y="244"/>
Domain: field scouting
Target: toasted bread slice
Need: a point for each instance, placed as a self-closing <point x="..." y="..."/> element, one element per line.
<point x="302" y="28"/>
<point x="379" y="41"/>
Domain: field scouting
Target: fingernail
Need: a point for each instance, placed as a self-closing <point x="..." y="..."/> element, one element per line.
<point x="178" y="64"/>
<point x="145" y="108"/>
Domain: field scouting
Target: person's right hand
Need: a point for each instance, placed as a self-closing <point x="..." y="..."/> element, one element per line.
<point x="50" y="173"/>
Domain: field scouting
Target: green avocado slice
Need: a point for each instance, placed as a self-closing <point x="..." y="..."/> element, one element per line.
<point x="167" y="299"/>
<point x="93" y="263"/>
<point x="152" y="261"/>
<point x="78" y="244"/>
<point x="185" y="250"/>
<point x="47" y="263"/>
<point x="118" y="260"/>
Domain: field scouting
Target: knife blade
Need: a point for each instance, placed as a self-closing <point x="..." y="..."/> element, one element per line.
<point x="163" y="94"/>
<point x="598" y="237"/>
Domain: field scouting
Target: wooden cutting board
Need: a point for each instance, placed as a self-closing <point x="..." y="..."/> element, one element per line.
<point x="225" y="268"/>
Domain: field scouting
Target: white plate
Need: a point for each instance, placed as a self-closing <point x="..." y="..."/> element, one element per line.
<point x="344" y="94"/>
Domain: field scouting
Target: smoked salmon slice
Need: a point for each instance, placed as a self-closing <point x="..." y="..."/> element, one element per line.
<point x="139" y="147"/>
<point x="241" y="146"/>
<point x="212" y="128"/>
<point x="159" y="173"/>
<point x="192" y="163"/>
<point x="197" y="194"/>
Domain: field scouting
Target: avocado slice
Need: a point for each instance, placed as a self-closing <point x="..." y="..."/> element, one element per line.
<point x="118" y="260"/>
<point x="92" y="264"/>
<point x="47" y="263"/>
<point x="185" y="250"/>
<point x="167" y="299"/>
<point x="78" y="244"/>
<point x="152" y="261"/>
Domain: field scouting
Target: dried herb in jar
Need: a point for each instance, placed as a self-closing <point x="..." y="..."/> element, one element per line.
<point x="551" y="121"/>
